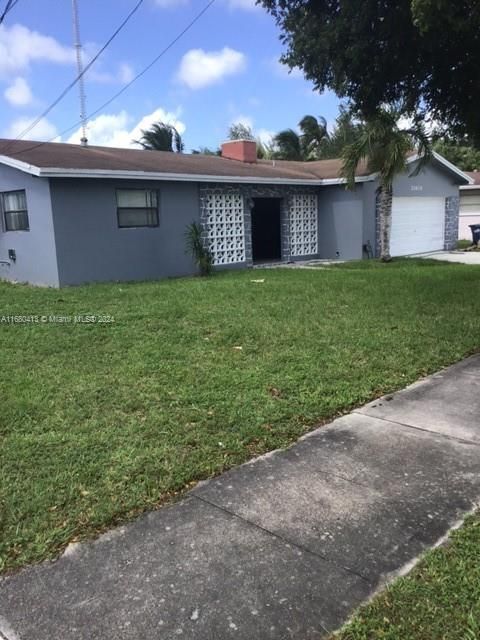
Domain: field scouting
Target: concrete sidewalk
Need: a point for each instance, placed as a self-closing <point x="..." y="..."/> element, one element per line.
<point x="283" y="547"/>
<point x="463" y="257"/>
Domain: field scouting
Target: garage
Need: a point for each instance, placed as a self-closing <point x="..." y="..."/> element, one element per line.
<point x="418" y="225"/>
<point x="469" y="213"/>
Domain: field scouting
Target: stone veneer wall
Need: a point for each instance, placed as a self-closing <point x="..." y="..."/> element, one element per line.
<point x="452" y="209"/>
<point x="250" y="191"/>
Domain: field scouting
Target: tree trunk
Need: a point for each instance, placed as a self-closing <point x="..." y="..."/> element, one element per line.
<point x="385" y="220"/>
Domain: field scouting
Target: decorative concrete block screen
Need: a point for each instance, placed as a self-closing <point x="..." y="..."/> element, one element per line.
<point x="225" y="227"/>
<point x="303" y="225"/>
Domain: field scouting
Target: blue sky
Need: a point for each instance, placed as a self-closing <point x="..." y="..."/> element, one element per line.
<point x="225" y="69"/>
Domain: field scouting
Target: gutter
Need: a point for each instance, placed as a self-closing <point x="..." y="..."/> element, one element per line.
<point x="57" y="172"/>
<point x="470" y="187"/>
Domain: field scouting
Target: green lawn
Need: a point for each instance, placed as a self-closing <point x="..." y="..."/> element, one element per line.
<point x="438" y="600"/>
<point x="99" y="422"/>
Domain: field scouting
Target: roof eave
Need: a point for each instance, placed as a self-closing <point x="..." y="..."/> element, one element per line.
<point x="60" y="172"/>
<point x="21" y="166"/>
<point x="446" y="163"/>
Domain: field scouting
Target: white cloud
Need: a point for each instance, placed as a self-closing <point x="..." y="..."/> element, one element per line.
<point x="266" y="136"/>
<point x="43" y="130"/>
<point x="249" y="5"/>
<point x="126" y="73"/>
<point x="19" y="47"/>
<point x="19" y="93"/>
<point x="123" y="75"/>
<point x="168" y="4"/>
<point x="247" y="121"/>
<point x="119" y="130"/>
<point x="200" y="68"/>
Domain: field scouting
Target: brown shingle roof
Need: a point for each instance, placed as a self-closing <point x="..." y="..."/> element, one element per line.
<point x="70" y="156"/>
<point x="475" y="175"/>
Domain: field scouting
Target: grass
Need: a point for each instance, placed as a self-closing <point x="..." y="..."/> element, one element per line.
<point x="102" y="421"/>
<point x="438" y="600"/>
<point x="464" y="244"/>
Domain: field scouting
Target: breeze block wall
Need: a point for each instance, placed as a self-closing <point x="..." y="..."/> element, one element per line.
<point x="247" y="192"/>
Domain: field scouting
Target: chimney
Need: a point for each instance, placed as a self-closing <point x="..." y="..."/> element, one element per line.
<point x="242" y="150"/>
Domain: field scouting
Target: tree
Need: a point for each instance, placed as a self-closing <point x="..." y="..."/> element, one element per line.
<point x="347" y="130"/>
<point x="421" y="54"/>
<point x="460" y="153"/>
<point x="288" y="145"/>
<point x="161" y="137"/>
<point x="385" y="147"/>
<point x="240" y="131"/>
<point x="303" y="146"/>
<point x="206" y="151"/>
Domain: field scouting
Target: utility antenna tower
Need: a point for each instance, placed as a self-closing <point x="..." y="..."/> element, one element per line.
<point x="81" y="80"/>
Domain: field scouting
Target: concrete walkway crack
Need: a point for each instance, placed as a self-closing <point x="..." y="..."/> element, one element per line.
<point x="285" y="540"/>
<point x="423" y="429"/>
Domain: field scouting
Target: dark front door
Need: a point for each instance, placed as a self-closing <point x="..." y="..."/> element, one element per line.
<point x="266" y="235"/>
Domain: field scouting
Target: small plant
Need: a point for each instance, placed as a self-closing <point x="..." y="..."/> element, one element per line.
<point x="197" y="249"/>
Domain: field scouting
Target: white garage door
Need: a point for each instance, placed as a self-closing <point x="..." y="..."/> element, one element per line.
<point x="418" y="225"/>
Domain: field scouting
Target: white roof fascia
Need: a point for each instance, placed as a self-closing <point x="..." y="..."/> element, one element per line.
<point x="21" y="166"/>
<point x="52" y="172"/>
<point x="446" y="163"/>
<point x="470" y="187"/>
<point x="56" y="172"/>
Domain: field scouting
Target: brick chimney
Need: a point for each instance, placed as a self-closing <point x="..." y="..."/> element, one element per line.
<point x="242" y="150"/>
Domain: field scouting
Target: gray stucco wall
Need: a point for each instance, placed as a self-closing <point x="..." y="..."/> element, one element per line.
<point x="35" y="249"/>
<point x="341" y="232"/>
<point x="432" y="181"/>
<point x="91" y="247"/>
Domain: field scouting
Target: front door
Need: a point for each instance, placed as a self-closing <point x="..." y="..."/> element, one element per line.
<point x="266" y="234"/>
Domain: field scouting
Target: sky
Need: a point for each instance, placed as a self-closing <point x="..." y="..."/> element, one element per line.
<point x="225" y="69"/>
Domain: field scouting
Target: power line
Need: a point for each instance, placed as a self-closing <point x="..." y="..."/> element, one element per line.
<point x="129" y="84"/>
<point x="9" y="6"/>
<point x="33" y="124"/>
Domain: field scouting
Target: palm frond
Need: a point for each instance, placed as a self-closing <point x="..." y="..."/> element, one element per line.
<point x="288" y="145"/>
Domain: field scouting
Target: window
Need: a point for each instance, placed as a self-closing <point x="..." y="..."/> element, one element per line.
<point x="137" y="208"/>
<point x="14" y="204"/>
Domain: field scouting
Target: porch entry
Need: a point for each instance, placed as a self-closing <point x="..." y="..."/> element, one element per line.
<point x="266" y="229"/>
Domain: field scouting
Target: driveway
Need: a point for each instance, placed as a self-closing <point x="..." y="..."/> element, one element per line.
<point x="283" y="547"/>
<point x="464" y="257"/>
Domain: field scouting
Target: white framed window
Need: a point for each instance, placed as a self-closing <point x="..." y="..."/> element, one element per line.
<point x="225" y="228"/>
<point x="15" y="212"/>
<point x="304" y="225"/>
<point x="137" y="208"/>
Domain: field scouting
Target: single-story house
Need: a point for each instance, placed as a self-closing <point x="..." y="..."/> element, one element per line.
<point x="73" y="214"/>
<point x="469" y="206"/>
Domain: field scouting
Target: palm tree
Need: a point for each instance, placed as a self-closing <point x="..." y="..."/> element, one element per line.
<point x="161" y="137"/>
<point x="385" y="146"/>
<point x="314" y="132"/>
<point x="305" y="145"/>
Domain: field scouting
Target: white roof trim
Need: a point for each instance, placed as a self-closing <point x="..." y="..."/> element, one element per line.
<point x="447" y="164"/>
<point x="21" y="166"/>
<point x="470" y="187"/>
<point x="55" y="172"/>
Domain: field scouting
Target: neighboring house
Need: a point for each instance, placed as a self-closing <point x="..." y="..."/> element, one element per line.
<point x="469" y="206"/>
<point x="73" y="214"/>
